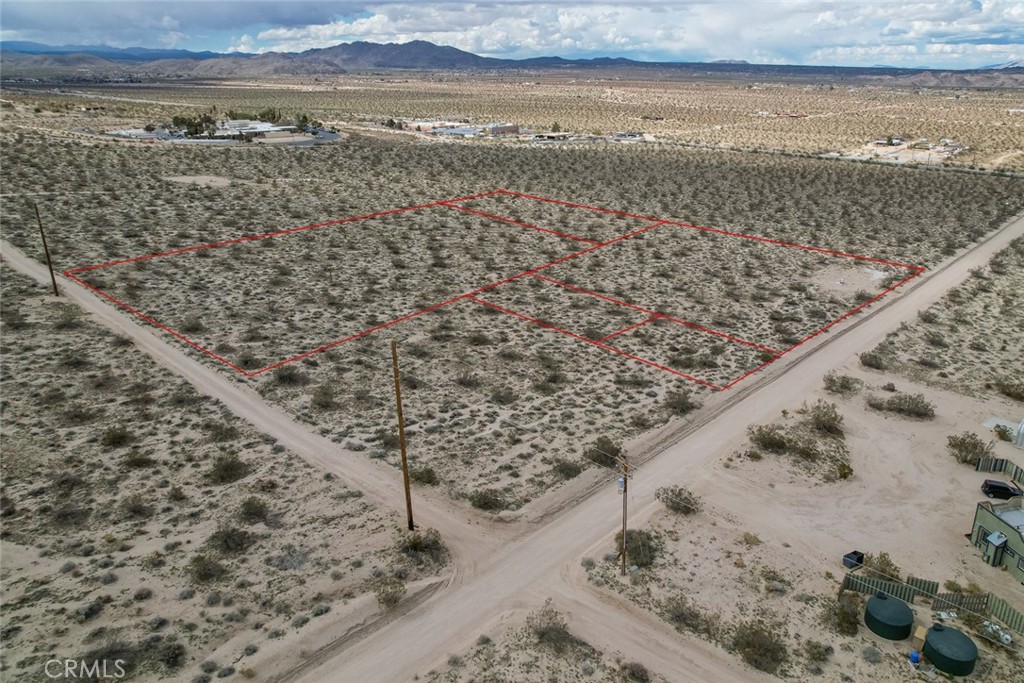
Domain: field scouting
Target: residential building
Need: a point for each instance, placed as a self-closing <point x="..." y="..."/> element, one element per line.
<point x="999" y="532"/>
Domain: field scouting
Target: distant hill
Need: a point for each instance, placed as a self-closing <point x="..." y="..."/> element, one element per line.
<point x="21" y="59"/>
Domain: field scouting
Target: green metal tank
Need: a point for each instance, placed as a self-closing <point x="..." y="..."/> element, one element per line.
<point x="950" y="650"/>
<point x="889" y="617"/>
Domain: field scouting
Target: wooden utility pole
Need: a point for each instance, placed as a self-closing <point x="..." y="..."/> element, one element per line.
<point x="401" y="432"/>
<point x="625" y="499"/>
<point x="46" y="249"/>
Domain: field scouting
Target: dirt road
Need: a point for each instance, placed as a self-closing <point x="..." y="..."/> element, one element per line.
<point x="502" y="568"/>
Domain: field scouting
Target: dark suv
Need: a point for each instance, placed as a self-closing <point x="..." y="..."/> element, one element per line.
<point x="993" y="488"/>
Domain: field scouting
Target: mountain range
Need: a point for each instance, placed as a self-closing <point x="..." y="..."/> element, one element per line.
<point x="91" y="62"/>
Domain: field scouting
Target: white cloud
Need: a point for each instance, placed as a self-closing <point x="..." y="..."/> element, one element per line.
<point x="796" y="31"/>
<point x="243" y="44"/>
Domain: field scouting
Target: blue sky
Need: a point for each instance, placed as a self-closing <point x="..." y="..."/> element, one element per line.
<point x="940" y="33"/>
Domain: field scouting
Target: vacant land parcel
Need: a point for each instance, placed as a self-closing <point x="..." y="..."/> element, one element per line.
<point x="258" y="303"/>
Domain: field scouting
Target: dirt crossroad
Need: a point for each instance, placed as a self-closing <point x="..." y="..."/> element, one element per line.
<point x="501" y="567"/>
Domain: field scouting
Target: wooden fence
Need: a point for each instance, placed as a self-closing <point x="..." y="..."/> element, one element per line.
<point x="987" y="604"/>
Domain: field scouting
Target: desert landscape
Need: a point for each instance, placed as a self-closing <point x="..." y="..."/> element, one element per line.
<point x="201" y="467"/>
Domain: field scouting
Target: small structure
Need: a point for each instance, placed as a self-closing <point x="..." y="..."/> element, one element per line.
<point x="1019" y="439"/>
<point x="998" y="531"/>
<point x="501" y="129"/>
<point x="241" y="128"/>
<point x="888" y="617"/>
<point x="853" y="559"/>
<point x="950" y="651"/>
<point x="458" y="132"/>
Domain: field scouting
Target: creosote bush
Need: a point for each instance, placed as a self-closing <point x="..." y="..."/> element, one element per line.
<point x="680" y="403"/>
<point x="825" y="418"/>
<point x="843" y="385"/>
<point x="550" y="628"/>
<point x="389" y="591"/>
<point x="911" y="405"/>
<point x="760" y="645"/>
<point x="968" y="448"/>
<point x="227" y="468"/>
<point x="642" y="547"/>
<point x="424" y="475"/>
<point x="881" y="566"/>
<point x="678" y="499"/>
<point x="874" y="359"/>
<point x="487" y="499"/>
<point x="206" y="569"/>
<point x="424" y="546"/>
<point x="768" y="437"/>
<point x="604" y="452"/>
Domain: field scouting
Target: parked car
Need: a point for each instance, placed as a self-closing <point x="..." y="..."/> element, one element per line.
<point x="993" y="488"/>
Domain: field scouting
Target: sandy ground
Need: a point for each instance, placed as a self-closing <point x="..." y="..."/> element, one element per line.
<point x="494" y="572"/>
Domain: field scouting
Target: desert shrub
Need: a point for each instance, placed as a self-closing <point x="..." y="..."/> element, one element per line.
<point x="825" y="418"/>
<point x="567" y="469"/>
<point x="221" y="432"/>
<point x="1012" y="388"/>
<point x="253" y="510"/>
<point x="911" y="405"/>
<point x="881" y="566"/>
<point x="71" y="515"/>
<point x="323" y="398"/>
<point x="227" y="468"/>
<point x="844" y="385"/>
<point x="684" y="615"/>
<point x="760" y="645"/>
<point x="678" y="499"/>
<point x="137" y="460"/>
<point x="116" y="437"/>
<point x="550" y="628"/>
<point x="388" y="439"/>
<point x="204" y="569"/>
<point x="424" y="546"/>
<point x="642" y="547"/>
<point x="1003" y="433"/>
<point x="389" y="591"/>
<point x="604" y="452"/>
<point x="768" y="437"/>
<point x="871" y="654"/>
<point x="424" y="475"/>
<point x="968" y="448"/>
<point x="874" y="359"/>
<point x="635" y="671"/>
<point x="487" y="499"/>
<point x="115" y="655"/>
<point x="290" y="376"/>
<point x="137" y="506"/>
<point x="844" y="470"/>
<point x="679" y="402"/>
<point x="818" y="652"/>
<point x="504" y="396"/>
<point x="230" y="540"/>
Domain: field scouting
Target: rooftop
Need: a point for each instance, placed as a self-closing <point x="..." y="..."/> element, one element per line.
<point x="1011" y="513"/>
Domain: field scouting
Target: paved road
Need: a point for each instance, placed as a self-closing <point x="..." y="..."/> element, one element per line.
<point x="509" y="567"/>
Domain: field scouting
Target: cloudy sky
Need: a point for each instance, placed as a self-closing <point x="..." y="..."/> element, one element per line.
<point x="941" y="33"/>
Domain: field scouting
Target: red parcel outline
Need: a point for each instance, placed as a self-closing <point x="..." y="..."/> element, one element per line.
<point x="771" y="355"/>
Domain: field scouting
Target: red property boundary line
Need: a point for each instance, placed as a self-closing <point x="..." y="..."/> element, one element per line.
<point x="471" y="296"/>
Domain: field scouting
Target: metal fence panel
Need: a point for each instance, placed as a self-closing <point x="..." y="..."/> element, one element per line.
<point x="970" y="602"/>
<point x="1001" y="610"/>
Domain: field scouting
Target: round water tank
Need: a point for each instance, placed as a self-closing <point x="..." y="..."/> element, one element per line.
<point x="950" y="650"/>
<point x="889" y="617"/>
